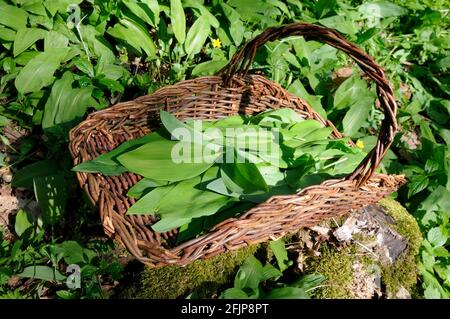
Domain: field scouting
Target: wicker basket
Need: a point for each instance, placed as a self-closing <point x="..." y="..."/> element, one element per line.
<point x="215" y="97"/>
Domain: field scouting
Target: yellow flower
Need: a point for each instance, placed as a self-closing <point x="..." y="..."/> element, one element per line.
<point x="216" y="43"/>
<point x="360" y="144"/>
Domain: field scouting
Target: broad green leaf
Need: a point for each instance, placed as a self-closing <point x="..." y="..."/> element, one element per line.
<point x="7" y="34"/>
<point x="417" y="184"/>
<point x="236" y="27"/>
<point x="243" y="178"/>
<point x="287" y="293"/>
<point x="249" y="275"/>
<point x="437" y="236"/>
<point x="108" y="164"/>
<point x="381" y="9"/>
<point x="233" y="293"/>
<point x="24" y="177"/>
<point x="55" y="39"/>
<point x="299" y="90"/>
<point x="279" y="250"/>
<point x="197" y="36"/>
<point x="133" y="34"/>
<point x="182" y="131"/>
<point x="340" y="23"/>
<point x="350" y="91"/>
<point x="97" y="44"/>
<point x="42" y="272"/>
<point x="143" y="186"/>
<point x="73" y="252"/>
<point x="270" y="272"/>
<point x="178" y="20"/>
<point x="147" y="10"/>
<point x="51" y="195"/>
<point x="357" y="116"/>
<point x="310" y="281"/>
<point x="39" y="70"/>
<point x="169" y="160"/>
<point x="208" y="68"/>
<point x="149" y="203"/>
<point x="12" y="16"/>
<point x="25" y="38"/>
<point x="62" y="6"/>
<point x="84" y="65"/>
<point x="66" y="104"/>
<point x="23" y="222"/>
<point x="34" y="6"/>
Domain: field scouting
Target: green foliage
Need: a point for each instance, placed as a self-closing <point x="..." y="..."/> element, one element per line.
<point x="101" y="52"/>
<point x="255" y="281"/>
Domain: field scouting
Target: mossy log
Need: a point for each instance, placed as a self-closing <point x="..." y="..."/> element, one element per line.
<point x="351" y="271"/>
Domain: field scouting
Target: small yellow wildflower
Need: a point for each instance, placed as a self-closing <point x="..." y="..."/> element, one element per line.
<point x="360" y="144"/>
<point x="217" y="43"/>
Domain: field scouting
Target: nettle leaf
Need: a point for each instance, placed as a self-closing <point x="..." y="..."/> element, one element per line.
<point x="25" y="38"/>
<point x="178" y="20"/>
<point x="197" y="36"/>
<point x="42" y="272"/>
<point x="38" y="72"/>
<point x="417" y="184"/>
<point x="12" y="16"/>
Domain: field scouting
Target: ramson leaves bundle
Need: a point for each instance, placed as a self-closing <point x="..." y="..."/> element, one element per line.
<point x="199" y="173"/>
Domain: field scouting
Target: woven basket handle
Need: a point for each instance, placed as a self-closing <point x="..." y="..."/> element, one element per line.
<point x="242" y="60"/>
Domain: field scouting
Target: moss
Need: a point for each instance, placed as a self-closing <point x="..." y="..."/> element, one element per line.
<point x="404" y="271"/>
<point x="202" y="276"/>
<point x="336" y="265"/>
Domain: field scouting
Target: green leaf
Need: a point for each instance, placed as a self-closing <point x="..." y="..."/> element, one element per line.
<point x="42" y="272"/>
<point x="84" y="65"/>
<point x="270" y="272"/>
<point x="7" y="34"/>
<point x="417" y="184"/>
<point x="39" y="70"/>
<point x="25" y="38"/>
<point x="279" y="250"/>
<point x="108" y="164"/>
<point x="54" y="40"/>
<point x="287" y="293"/>
<point x="299" y="90"/>
<point x="249" y="275"/>
<point x="381" y="9"/>
<point x="236" y="27"/>
<point x="73" y="252"/>
<point x="197" y="36"/>
<point x="51" y="195"/>
<point x="169" y="160"/>
<point x="309" y="281"/>
<point x="437" y="236"/>
<point x="25" y="176"/>
<point x="133" y="34"/>
<point x="208" y="68"/>
<point x="23" y="222"/>
<point x="147" y="10"/>
<point x="357" y="116"/>
<point x="178" y="20"/>
<point x="182" y="131"/>
<point x="149" y="203"/>
<point x="66" y="104"/>
<point x="13" y="16"/>
<point x="233" y="293"/>
<point x="243" y="178"/>
<point x="143" y="186"/>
